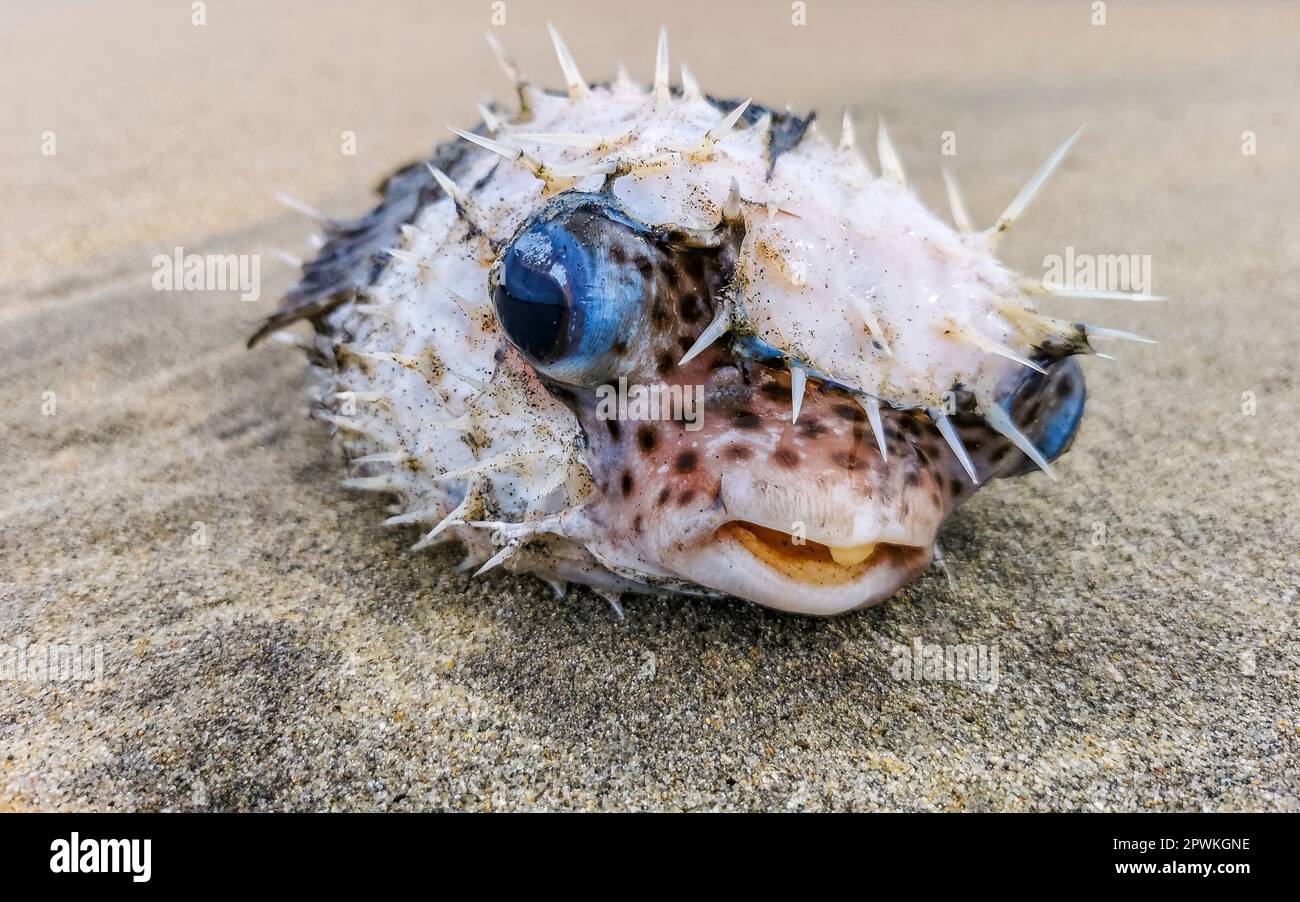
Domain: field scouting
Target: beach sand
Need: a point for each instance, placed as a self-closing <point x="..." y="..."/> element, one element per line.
<point x="266" y="645"/>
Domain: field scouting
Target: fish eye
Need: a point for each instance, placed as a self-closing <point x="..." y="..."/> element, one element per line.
<point x="1064" y="408"/>
<point x="566" y="294"/>
<point x="533" y="301"/>
<point x="1049" y="408"/>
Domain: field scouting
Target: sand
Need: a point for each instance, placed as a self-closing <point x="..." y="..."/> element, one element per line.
<point x="265" y="645"/>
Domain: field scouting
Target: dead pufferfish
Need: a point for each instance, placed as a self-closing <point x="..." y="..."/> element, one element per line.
<point x="860" y="367"/>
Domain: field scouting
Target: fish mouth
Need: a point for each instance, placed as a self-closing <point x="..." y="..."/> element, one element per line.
<point x="803" y="561"/>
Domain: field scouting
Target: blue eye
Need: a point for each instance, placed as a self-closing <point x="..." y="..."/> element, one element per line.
<point x="569" y="292"/>
<point x="532" y="301"/>
<point x="1066" y="413"/>
<point x="1049" y="409"/>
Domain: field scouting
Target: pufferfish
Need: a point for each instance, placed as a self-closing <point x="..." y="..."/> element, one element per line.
<point x="858" y="367"/>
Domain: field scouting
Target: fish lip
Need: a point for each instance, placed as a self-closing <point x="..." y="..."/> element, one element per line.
<point x="711" y="554"/>
<point x="726" y="564"/>
<point x="806" y="559"/>
<point x="822" y="515"/>
<point x="873" y="534"/>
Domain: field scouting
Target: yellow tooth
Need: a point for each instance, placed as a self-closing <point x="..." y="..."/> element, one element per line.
<point x="852" y="554"/>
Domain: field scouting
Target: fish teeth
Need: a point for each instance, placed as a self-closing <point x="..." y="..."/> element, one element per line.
<point x="851" y="555"/>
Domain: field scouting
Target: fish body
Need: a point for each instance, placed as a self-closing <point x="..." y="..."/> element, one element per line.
<point x="647" y="340"/>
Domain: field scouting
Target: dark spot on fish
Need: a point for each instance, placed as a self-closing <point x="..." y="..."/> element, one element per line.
<point x="847" y="459"/>
<point x="627" y="483"/>
<point x="686" y="497"/>
<point x="745" y="419"/>
<point x="688" y="308"/>
<point x="615" y="429"/>
<point x="563" y="394"/>
<point x="668" y="273"/>
<point x="738" y="452"/>
<point x="850" y="412"/>
<point x="775" y="391"/>
<point x="646" y="438"/>
<point x="664" y="363"/>
<point x="637" y="524"/>
<point x="664" y="495"/>
<point x="1064" y="387"/>
<point x="786" y="457"/>
<point x="812" y="428"/>
<point x="693" y="265"/>
<point x="686" y="461"/>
